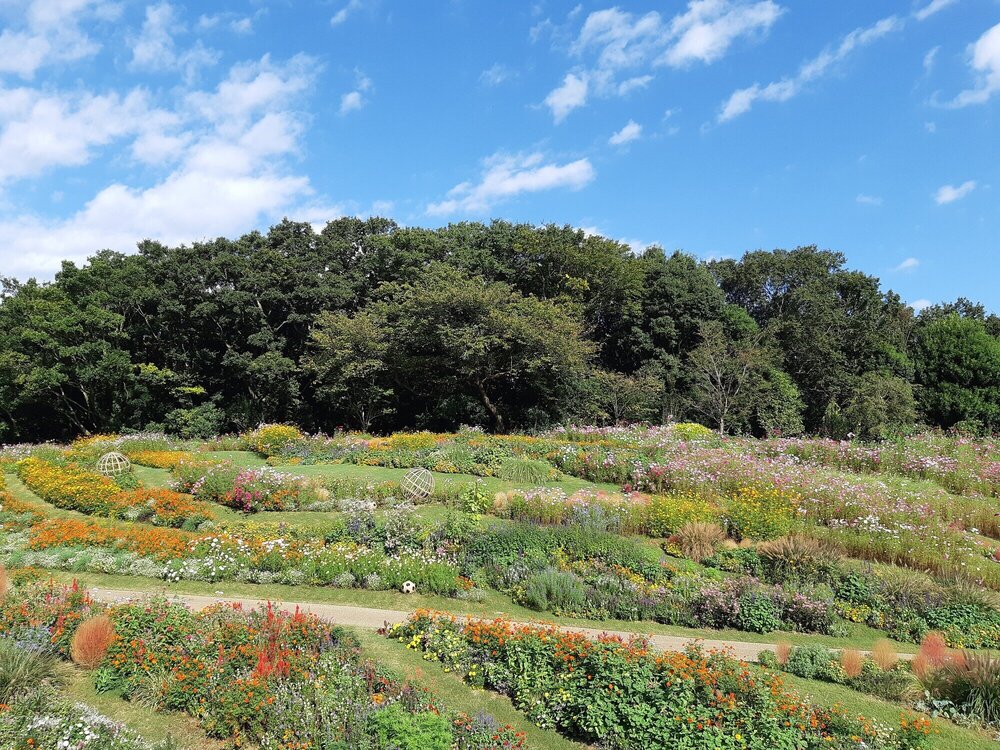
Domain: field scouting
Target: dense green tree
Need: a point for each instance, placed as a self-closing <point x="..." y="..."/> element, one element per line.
<point x="349" y="362"/>
<point x="832" y="325"/>
<point x="958" y="371"/>
<point x="453" y="336"/>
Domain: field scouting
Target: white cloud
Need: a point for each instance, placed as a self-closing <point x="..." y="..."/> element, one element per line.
<point x="506" y="176"/>
<point x="495" y="75"/>
<point x="709" y="27"/>
<point x="930" y="58"/>
<point x="154" y="48"/>
<point x="920" y="304"/>
<point x="46" y="32"/>
<point x="355" y="100"/>
<point x="930" y="127"/>
<point x="951" y="193"/>
<point x="907" y="265"/>
<point x="233" y="21"/>
<point x="344" y="13"/>
<point x="230" y="147"/>
<point x="613" y="43"/>
<point x="351" y="101"/>
<point x="41" y="131"/>
<point x="627" y="134"/>
<point x="984" y="59"/>
<point x="569" y="96"/>
<point x="934" y="6"/>
<point x="868" y="200"/>
<point x="632" y="84"/>
<point x="741" y="101"/>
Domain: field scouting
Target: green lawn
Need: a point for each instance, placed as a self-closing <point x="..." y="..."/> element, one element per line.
<point x="154" y="726"/>
<point x="382" y="474"/>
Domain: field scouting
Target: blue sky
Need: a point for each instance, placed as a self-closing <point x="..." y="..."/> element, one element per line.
<point x="712" y="126"/>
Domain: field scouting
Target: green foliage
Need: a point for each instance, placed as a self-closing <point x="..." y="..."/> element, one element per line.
<point x="553" y="590"/>
<point x="526" y="471"/>
<point x="505" y="325"/>
<point x="958" y="367"/>
<point x="811" y="661"/>
<point x="396" y="729"/>
<point x="22" y="670"/>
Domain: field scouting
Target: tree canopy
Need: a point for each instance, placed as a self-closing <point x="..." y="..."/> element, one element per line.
<point x="370" y="325"/>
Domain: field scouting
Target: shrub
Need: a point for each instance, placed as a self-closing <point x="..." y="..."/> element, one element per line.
<point x="934" y="649"/>
<point x="395" y="728"/>
<point x="698" y="539"/>
<point x="782" y="651"/>
<point x="625" y="695"/>
<point x="272" y="439"/>
<point x="91" y="641"/>
<point x="974" y="681"/>
<point x="757" y="613"/>
<point x="554" y="590"/>
<point x="761" y="511"/>
<point x="4" y="583"/>
<point x="797" y="557"/>
<point x="526" y="471"/>
<point x="810" y="661"/>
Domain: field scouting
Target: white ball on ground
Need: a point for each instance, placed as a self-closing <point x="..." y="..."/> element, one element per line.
<point x="409" y="587"/>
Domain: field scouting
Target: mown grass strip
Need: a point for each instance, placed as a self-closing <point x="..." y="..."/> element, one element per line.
<point x="154" y="726"/>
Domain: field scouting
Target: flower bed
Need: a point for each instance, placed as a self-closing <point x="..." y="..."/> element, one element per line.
<point x="269" y="678"/>
<point x="74" y="488"/>
<point x="625" y="696"/>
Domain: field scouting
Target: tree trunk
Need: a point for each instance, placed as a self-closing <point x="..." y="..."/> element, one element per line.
<point x="490" y="407"/>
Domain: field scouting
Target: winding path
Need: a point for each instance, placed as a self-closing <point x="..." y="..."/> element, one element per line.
<point x="372" y="618"/>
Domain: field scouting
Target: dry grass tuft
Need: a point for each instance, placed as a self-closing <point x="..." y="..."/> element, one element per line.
<point x="782" y="651"/>
<point x="851" y="662"/>
<point x="884" y="654"/>
<point x="698" y="539"/>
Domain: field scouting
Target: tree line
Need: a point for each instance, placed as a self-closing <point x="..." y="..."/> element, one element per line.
<point x="375" y="326"/>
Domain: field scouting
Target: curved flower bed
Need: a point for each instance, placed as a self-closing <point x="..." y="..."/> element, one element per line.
<point x="627" y="697"/>
<point x="74" y="488"/>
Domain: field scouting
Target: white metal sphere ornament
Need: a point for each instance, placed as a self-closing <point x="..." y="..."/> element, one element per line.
<point x="409" y="587"/>
<point x="417" y="484"/>
<point x="112" y="464"/>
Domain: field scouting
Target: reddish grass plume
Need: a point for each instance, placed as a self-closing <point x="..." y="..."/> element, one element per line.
<point x="851" y="662"/>
<point x="91" y="640"/>
<point x="884" y="654"/>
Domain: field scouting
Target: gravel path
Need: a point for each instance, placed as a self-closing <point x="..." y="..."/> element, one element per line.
<point x="372" y="618"/>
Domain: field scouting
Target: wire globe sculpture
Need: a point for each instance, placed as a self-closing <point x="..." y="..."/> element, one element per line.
<point x="112" y="464"/>
<point x="417" y="484"/>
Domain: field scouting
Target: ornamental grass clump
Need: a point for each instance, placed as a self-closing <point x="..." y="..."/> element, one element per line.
<point x="698" y="540"/>
<point x="91" y="641"/>
<point x="852" y="662"/>
<point x="23" y="670"/>
<point x="973" y="682"/>
<point x="884" y="654"/>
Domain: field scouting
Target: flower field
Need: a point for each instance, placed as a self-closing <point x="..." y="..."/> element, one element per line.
<point x="673" y="527"/>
